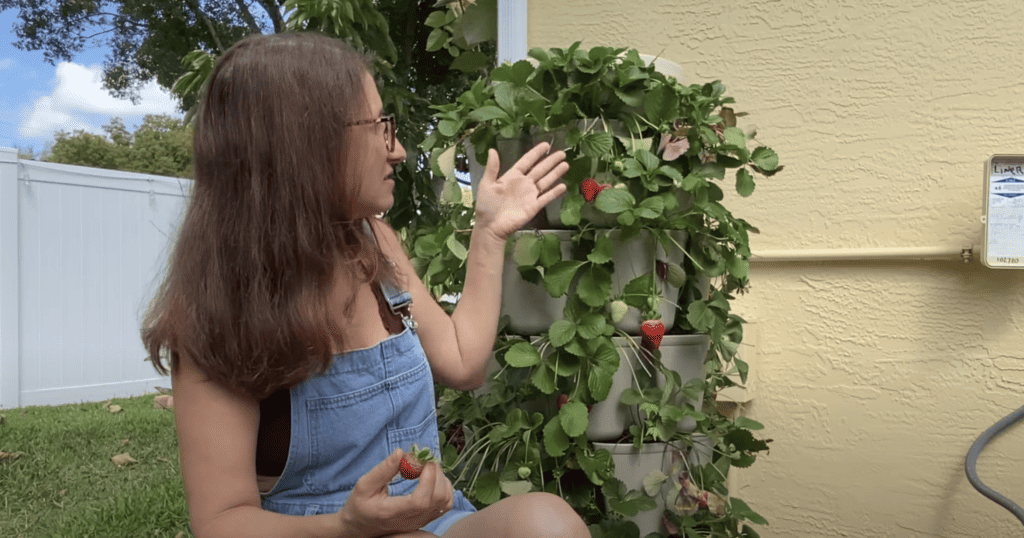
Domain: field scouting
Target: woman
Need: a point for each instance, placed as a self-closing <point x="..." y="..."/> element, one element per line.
<point x="280" y="311"/>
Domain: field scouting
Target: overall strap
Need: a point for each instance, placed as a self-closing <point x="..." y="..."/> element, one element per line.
<point x="398" y="300"/>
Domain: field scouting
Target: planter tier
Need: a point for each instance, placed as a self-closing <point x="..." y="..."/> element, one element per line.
<point x="681" y="353"/>
<point x="532" y="309"/>
<point x="632" y="465"/>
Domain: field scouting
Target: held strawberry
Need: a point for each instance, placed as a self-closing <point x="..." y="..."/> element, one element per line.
<point x="412" y="463"/>
<point x="652" y="330"/>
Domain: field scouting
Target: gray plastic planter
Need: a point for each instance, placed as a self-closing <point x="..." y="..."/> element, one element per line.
<point x="530" y="307"/>
<point x="681" y="353"/>
<point x="636" y="257"/>
<point x="632" y="465"/>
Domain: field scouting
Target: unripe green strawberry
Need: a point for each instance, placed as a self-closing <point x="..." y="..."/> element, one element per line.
<point x="671" y="273"/>
<point x="618" y="310"/>
<point x="676" y="276"/>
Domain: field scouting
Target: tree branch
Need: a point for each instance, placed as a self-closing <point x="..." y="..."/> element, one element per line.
<point x="118" y="19"/>
<point x="209" y="25"/>
<point x="99" y="33"/>
<point x="122" y="18"/>
<point x="248" y="17"/>
<point x="274" y="10"/>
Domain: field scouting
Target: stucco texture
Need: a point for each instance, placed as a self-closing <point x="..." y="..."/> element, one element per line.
<point x="873" y="377"/>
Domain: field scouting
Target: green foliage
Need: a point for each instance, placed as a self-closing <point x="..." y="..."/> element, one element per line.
<point x="615" y="116"/>
<point x="461" y="30"/>
<point x="161" y="146"/>
<point x="148" y="38"/>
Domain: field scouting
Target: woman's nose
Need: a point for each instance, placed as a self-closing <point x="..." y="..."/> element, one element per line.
<point x="398" y="155"/>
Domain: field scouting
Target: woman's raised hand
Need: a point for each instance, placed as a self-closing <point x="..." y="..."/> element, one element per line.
<point x="370" y="511"/>
<point x="504" y="204"/>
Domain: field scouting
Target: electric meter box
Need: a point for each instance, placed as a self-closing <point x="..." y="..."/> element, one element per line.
<point x="1003" y="246"/>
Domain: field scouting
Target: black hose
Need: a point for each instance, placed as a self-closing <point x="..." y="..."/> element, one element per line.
<point x="972" y="462"/>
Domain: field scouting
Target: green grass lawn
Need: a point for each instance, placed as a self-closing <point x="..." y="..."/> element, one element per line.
<point x="64" y="484"/>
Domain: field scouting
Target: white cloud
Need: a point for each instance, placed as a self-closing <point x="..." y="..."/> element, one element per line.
<point x="79" y="102"/>
<point x="6" y="63"/>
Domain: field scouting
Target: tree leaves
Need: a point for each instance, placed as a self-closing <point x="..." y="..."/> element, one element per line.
<point x="160" y="146"/>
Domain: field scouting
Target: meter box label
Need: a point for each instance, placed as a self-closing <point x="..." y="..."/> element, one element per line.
<point x="1004" y="212"/>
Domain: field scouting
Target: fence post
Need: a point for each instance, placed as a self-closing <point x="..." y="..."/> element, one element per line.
<point x="10" y="315"/>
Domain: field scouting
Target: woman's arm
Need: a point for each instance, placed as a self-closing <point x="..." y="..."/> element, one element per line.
<point x="217" y="448"/>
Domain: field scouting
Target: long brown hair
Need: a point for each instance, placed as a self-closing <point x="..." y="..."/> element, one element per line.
<point x="245" y="295"/>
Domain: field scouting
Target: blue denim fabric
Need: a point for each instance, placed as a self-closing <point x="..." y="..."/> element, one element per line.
<point x="349" y="419"/>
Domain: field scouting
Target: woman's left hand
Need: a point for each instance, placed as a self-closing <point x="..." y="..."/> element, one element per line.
<point x="504" y="204"/>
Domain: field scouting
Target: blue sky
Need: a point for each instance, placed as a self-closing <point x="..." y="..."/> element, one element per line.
<point x="37" y="99"/>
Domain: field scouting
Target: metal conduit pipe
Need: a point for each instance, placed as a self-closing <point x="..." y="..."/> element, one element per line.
<point x="965" y="254"/>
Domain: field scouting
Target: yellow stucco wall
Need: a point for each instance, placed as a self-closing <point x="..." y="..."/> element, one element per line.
<point x="872" y="377"/>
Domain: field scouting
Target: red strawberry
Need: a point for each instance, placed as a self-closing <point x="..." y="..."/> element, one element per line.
<point x="662" y="269"/>
<point x="589" y="189"/>
<point x="652" y="331"/>
<point x="412" y="463"/>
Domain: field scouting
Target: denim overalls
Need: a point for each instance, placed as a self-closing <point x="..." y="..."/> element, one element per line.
<point x="349" y="419"/>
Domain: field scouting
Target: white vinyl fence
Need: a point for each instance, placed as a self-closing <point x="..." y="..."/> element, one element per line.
<point x="81" y="253"/>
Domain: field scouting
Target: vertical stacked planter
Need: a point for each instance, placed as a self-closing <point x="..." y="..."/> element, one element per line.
<point x="626" y="126"/>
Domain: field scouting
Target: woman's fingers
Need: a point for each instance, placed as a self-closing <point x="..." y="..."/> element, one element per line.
<point x="443" y="493"/>
<point x="552" y="162"/>
<point x="381" y="474"/>
<point x="530" y="158"/>
<point x="552" y="176"/>
<point x="424" y="492"/>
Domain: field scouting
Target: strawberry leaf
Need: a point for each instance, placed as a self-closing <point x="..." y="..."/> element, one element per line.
<point x="522" y="355"/>
<point x="573" y="416"/>
<point x="555" y="440"/>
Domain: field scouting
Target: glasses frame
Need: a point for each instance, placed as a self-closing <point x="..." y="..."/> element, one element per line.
<point x="390" y="126"/>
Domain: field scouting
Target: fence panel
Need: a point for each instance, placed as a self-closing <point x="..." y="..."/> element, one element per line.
<point x="78" y="272"/>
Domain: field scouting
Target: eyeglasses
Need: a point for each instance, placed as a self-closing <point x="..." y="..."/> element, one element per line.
<point x="389" y="129"/>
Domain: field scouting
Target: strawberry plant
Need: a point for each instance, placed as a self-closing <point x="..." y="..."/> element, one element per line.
<point x="646" y="155"/>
